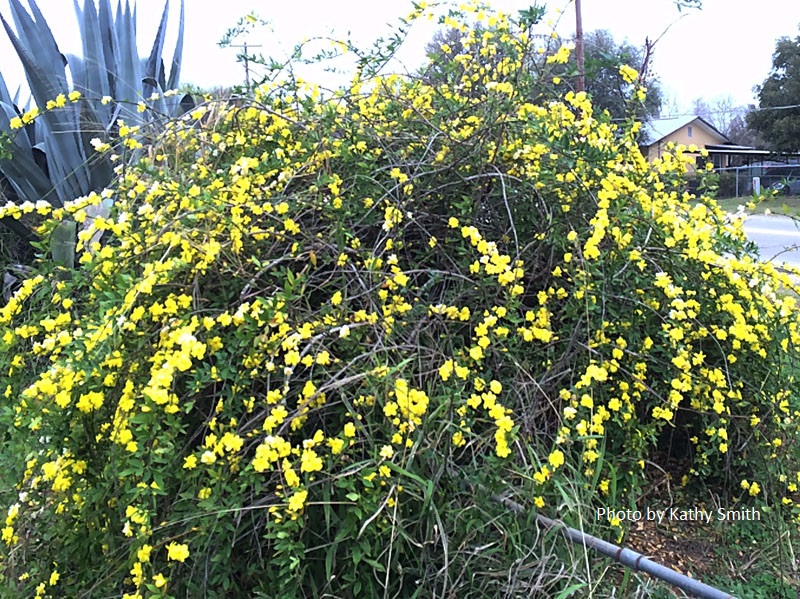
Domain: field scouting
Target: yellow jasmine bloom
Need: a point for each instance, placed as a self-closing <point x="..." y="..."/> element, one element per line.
<point x="177" y="552"/>
<point x="556" y="458"/>
<point x="629" y="74"/>
<point x="297" y="501"/>
<point x="143" y="554"/>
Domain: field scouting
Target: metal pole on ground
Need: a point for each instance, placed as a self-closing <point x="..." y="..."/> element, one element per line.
<point x="627" y="557"/>
<point x="636" y="561"/>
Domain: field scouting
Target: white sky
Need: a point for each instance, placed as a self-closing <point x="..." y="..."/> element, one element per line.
<point x="724" y="49"/>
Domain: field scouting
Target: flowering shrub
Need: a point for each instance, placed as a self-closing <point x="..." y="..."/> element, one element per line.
<point x="323" y="338"/>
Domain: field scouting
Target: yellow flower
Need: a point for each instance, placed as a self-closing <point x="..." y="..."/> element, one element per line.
<point x="29" y="116"/>
<point x="143" y="554"/>
<point x="336" y="445"/>
<point x="310" y="461"/>
<point x="629" y="74"/>
<point x="177" y="552"/>
<point x="297" y="501"/>
<point x="556" y="458"/>
<point x="542" y="476"/>
<point x="387" y="452"/>
<point x="350" y="430"/>
<point x="290" y="226"/>
<point x="445" y="370"/>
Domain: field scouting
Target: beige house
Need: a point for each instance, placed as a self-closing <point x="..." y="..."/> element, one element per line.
<point x="688" y="131"/>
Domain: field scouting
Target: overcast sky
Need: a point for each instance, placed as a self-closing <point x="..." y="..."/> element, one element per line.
<point x="723" y="49"/>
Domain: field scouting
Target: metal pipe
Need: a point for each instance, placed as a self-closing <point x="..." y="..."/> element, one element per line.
<point x="627" y="557"/>
<point x="636" y="561"/>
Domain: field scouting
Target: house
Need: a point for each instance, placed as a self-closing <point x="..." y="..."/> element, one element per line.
<point x="695" y="132"/>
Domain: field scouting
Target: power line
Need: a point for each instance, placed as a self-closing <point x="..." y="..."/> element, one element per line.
<point x="788" y="106"/>
<point x="737" y="110"/>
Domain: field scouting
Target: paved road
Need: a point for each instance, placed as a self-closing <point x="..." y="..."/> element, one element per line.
<point x="777" y="237"/>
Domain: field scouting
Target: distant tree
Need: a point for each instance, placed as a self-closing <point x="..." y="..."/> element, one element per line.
<point x="603" y="58"/>
<point x="729" y="119"/>
<point x="777" y="118"/>
<point x="740" y="132"/>
<point x="609" y="90"/>
<point x="719" y="112"/>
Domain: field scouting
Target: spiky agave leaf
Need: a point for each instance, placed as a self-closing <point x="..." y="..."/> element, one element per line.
<point x="52" y="157"/>
<point x="66" y="157"/>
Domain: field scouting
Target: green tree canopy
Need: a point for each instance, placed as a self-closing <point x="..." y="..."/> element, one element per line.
<point x="778" y="116"/>
<point x="608" y="88"/>
<point x="604" y="82"/>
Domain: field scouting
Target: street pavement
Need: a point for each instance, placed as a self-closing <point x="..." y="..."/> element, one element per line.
<point x="777" y="237"/>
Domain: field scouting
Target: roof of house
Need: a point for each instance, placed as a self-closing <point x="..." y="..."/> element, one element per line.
<point x="657" y="129"/>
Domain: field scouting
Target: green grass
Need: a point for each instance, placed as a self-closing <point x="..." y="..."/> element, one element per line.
<point x="761" y="560"/>
<point x="779" y="204"/>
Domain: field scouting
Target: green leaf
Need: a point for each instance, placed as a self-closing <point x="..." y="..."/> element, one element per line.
<point x="571" y="590"/>
<point x="62" y="244"/>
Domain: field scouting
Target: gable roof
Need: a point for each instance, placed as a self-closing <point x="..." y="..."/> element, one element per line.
<point x="657" y="129"/>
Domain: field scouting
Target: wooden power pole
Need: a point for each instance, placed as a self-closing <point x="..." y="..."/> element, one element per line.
<point x="246" y="62"/>
<point x="579" y="45"/>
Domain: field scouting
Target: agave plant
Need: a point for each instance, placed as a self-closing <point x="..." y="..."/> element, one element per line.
<point x="51" y="158"/>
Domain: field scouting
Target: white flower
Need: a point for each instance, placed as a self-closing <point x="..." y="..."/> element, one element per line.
<point x="99" y="145"/>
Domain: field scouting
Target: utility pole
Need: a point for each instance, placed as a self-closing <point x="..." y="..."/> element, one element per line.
<point x="579" y="45"/>
<point x="246" y="62"/>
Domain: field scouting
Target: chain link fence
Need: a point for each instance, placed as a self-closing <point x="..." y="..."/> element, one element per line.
<point x="737" y="181"/>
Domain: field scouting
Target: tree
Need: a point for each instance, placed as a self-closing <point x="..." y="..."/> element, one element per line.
<point x="603" y="58"/>
<point x="740" y="132"/>
<point x="778" y="116"/>
<point x="604" y="82"/>
<point x="729" y="119"/>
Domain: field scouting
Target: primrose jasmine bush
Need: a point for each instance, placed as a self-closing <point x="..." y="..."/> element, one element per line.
<point x="321" y="338"/>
